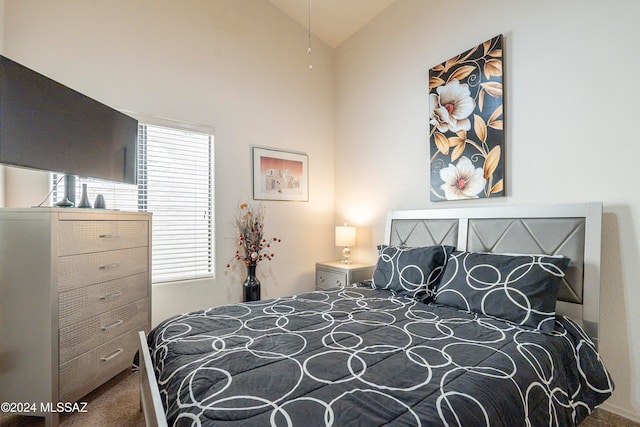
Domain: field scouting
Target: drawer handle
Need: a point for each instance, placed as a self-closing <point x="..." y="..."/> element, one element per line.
<point x="114" y="295"/>
<point x="109" y="266"/>
<point x="115" y="354"/>
<point x="321" y="279"/>
<point x="113" y="325"/>
<point x="110" y="236"/>
<point x="338" y="283"/>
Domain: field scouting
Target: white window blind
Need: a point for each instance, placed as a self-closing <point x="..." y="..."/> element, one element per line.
<point x="175" y="182"/>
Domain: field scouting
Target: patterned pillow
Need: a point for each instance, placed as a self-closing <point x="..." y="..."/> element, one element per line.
<point x="517" y="288"/>
<point x="410" y="271"/>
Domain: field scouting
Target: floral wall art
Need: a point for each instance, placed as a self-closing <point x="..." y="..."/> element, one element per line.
<point x="466" y="124"/>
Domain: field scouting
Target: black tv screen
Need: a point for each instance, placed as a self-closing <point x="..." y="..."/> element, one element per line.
<point x="48" y="126"/>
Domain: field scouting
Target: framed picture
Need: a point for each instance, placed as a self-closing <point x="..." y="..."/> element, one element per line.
<point x="280" y="175"/>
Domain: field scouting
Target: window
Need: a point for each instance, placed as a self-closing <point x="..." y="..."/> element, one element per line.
<point x="175" y="182"/>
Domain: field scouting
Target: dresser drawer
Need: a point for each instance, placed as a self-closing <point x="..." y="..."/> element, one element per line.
<point x="75" y="271"/>
<point x="95" y="331"/>
<point x="83" y="303"/>
<point x="86" y="372"/>
<point x="329" y="279"/>
<point x="79" y="237"/>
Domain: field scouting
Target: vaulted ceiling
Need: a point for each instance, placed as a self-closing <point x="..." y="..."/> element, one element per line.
<point x="333" y="21"/>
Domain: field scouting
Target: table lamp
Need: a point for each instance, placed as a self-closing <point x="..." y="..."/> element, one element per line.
<point x="345" y="237"/>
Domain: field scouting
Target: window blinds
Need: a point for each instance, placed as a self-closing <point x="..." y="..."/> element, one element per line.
<point x="175" y="182"/>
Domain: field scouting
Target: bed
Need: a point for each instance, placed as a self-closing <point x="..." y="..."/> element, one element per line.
<point x="480" y="316"/>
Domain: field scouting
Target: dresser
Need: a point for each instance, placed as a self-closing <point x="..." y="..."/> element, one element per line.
<point x="75" y="287"/>
<point x="335" y="274"/>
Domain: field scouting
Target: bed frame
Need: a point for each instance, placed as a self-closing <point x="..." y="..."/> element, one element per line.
<point x="573" y="230"/>
<point x="150" y="402"/>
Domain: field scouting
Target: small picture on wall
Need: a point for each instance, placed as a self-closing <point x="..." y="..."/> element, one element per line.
<point x="466" y="124"/>
<point x="280" y="175"/>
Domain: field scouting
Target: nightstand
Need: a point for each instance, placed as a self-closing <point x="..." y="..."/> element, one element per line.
<point x="334" y="274"/>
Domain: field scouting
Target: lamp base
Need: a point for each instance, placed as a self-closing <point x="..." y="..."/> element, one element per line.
<point x="346" y="252"/>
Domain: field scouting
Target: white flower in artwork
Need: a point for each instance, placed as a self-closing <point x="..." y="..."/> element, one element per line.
<point x="450" y="108"/>
<point x="462" y="181"/>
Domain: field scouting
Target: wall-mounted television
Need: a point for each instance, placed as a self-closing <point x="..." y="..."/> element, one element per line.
<point x="48" y="126"/>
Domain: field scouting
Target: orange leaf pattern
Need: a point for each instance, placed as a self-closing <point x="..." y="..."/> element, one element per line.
<point x="493" y="88"/>
<point x="441" y="143"/>
<point x="467" y="124"/>
<point x="461" y="73"/>
<point x="435" y="82"/>
<point x="491" y="161"/>
<point x="480" y="127"/>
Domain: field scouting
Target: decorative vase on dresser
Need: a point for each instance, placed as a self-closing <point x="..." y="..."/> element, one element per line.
<point x="75" y="289"/>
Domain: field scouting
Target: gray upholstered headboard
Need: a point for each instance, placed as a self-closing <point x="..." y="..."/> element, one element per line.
<point x="572" y="230"/>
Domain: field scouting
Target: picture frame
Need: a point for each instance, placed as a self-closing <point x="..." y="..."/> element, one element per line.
<point x="280" y="175"/>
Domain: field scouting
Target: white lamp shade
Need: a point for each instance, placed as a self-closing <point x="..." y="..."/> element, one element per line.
<point x="345" y="235"/>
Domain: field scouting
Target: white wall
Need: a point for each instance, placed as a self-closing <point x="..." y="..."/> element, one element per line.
<point x="238" y="65"/>
<point x="571" y="104"/>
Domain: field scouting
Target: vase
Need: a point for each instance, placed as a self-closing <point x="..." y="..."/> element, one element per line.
<point x="99" y="203"/>
<point x="251" y="285"/>
<point x="84" y="201"/>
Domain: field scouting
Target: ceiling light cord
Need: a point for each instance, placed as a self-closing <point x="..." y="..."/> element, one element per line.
<point x="309" y="35"/>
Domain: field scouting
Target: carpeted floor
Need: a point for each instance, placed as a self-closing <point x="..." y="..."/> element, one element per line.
<point x="117" y="404"/>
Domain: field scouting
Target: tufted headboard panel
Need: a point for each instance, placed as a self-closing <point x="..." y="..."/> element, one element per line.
<point x="572" y="230"/>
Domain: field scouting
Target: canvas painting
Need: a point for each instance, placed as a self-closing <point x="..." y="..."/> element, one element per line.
<point x="466" y="124"/>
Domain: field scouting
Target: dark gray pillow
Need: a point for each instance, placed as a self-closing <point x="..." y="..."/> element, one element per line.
<point x="518" y="288"/>
<point x="410" y="271"/>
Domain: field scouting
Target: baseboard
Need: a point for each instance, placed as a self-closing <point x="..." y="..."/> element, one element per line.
<point x="621" y="411"/>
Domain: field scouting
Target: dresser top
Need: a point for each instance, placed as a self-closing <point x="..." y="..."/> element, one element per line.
<point x="77" y="213"/>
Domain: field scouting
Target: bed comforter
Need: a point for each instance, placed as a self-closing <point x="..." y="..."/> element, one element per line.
<point x="364" y="357"/>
